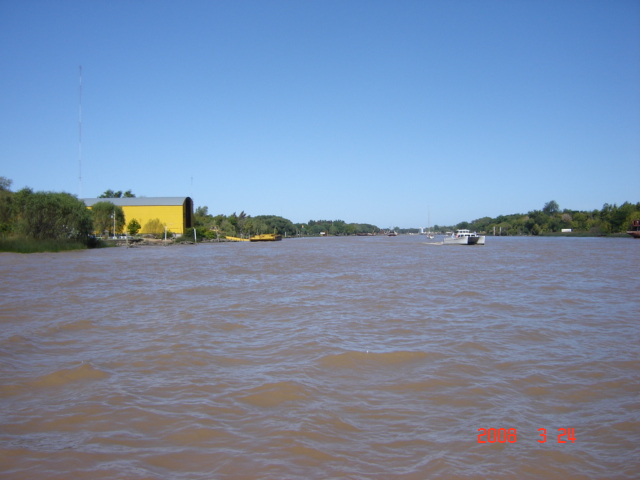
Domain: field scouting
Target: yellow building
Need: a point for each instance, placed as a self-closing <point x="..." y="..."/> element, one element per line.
<point x="175" y="213"/>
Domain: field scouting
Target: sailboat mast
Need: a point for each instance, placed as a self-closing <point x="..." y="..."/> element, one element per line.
<point x="80" y="136"/>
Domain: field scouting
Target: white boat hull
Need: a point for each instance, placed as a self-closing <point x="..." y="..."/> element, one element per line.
<point x="456" y="241"/>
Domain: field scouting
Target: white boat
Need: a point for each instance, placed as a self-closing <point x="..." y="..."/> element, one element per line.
<point x="428" y="232"/>
<point x="464" y="237"/>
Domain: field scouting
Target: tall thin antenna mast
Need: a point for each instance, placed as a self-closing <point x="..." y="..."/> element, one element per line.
<point x="80" y="135"/>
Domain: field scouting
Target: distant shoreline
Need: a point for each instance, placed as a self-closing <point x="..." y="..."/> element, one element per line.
<point x="58" y="247"/>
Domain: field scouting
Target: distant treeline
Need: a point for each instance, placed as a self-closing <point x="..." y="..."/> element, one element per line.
<point x="551" y="219"/>
<point x="218" y="226"/>
<point x="608" y="220"/>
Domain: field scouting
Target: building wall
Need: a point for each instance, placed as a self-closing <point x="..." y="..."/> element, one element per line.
<point x="172" y="216"/>
<point x="176" y="213"/>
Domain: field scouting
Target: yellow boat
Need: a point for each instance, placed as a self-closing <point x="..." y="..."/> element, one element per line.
<point x="265" y="237"/>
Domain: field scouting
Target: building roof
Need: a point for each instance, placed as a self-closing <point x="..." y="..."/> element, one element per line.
<point x="138" y="201"/>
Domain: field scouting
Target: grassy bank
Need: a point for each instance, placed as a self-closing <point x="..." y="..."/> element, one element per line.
<point x="30" y="245"/>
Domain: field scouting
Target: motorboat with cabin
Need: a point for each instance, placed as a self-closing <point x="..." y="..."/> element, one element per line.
<point x="464" y="237"/>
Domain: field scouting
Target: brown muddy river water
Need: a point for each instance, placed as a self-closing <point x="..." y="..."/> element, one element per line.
<point x="356" y="358"/>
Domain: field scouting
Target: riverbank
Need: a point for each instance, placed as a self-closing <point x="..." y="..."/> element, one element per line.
<point x="583" y="234"/>
<point x="29" y="245"/>
<point x="25" y="245"/>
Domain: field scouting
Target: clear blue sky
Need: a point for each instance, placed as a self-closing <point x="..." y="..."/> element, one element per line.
<point x="365" y="111"/>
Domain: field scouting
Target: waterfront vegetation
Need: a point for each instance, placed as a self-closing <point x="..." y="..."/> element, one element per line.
<point x="17" y="244"/>
<point x="106" y="216"/>
<point x="43" y="221"/>
<point x="550" y="220"/>
<point x="52" y="222"/>
<point x="234" y="225"/>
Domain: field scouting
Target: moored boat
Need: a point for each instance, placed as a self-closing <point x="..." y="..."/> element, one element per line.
<point x="265" y="237"/>
<point x="236" y="239"/>
<point x="635" y="229"/>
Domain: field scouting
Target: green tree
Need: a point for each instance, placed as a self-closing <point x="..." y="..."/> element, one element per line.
<point x="551" y="207"/>
<point x="631" y="216"/>
<point x="6" y="197"/>
<point x="5" y="183"/>
<point x="103" y="217"/>
<point x="110" y="194"/>
<point x="117" y="194"/>
<point x="204" y="222"/>
<point x="154" y="227"/>
<point x="133" y="227"/>
<point x="528" y="225"/>
<point x="207" y="233"/>
<point x="233" y="220"/>
<point x="218" y="219"/>
<point x="227" y="228"/>
<point x="619" y="216"/>
<point x="481" y="224"/>
<point x="271" y="224"/>
<point x="202" y="211"/>
<point x="566" y="220"/>
<point x="503" y="228"/>
<point x="554" y="224"/>
<point x="49" y="215"/>
<point x="579" y="221"/>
